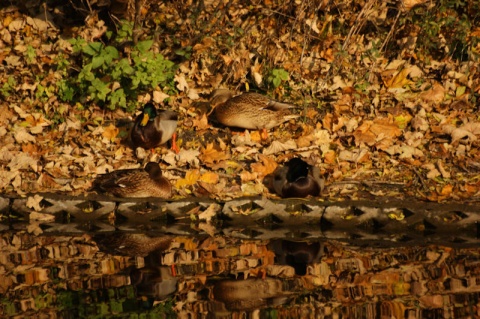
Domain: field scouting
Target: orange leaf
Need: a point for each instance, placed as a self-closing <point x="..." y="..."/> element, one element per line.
<point x="267" y="166"/>
<point x="211" y="154"/>
<point x="330" y="157"/>
<point x="471" y="189"/>
<point x="209" y="177"/>
<point x="247" y="176"/>
<point x="447" y="190"/>
<point x="110" y="132"/>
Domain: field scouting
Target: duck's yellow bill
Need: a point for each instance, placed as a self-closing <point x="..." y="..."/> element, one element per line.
<point x="144" y="120"/>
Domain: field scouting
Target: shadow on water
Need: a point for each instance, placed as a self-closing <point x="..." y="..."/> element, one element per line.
<point x="86" y="258"/>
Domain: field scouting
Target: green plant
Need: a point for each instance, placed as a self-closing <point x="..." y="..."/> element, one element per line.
<point x="107" y="78"/>
<point x="30" y="54"/>
<point x="8" y="86"/>
<point x="277" y="76"/>
<point x="444" y="30"/>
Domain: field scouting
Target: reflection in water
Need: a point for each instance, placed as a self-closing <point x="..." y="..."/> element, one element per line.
<point x="154" y="282"/>
<point x="297" y="254"/>
<point x="222" y="277"/>
<point x="251" y="294"/>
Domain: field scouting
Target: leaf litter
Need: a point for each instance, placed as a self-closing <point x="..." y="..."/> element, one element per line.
<point x="368" y="118"/>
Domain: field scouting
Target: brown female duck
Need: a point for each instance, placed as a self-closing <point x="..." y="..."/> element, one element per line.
<point x="251" y="111"/>
<point x="141" y="182"/>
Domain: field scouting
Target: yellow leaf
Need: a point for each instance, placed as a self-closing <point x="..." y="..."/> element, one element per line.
<point x="190" y="179"/>
<point x="209" y="177"/>
<point x="110" y="132"/>
<point x="402" y="120"/>
<point x="399" y="80"/>
<point x="255" y="136"/>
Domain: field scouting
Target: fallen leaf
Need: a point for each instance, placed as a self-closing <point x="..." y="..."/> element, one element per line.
<point x="399" y="80"/>
<point x="182" y="84"/>
<point x="110" y="132"/>
<point x="159" y="96"/>
<point x="446" y="190"/>
<point x="209" y="177"/>
<point x="201" y="122"/>
<point x="435" y="94"/>
<point x="22" y="136"/>
<point x="191" y="177"/>
<point x="34" y="228"/>
<point x="189" y="156"/>
<point x="267" y="166"/>
<point x="277" y="147"/>
<point x="210" y="154"/>
<point x="329" y="157"/>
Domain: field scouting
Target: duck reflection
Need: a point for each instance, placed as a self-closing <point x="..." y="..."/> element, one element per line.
<point x="251" y="294"/>
<point x="129" y="244"/>
<point x="154" y="282"/>
<point x="296" y="254"/>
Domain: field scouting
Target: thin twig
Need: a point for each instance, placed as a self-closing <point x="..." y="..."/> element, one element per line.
<point x="390" y="33"/>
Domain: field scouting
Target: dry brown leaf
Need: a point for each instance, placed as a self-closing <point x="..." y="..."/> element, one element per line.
<point x="356" y="156"/>
<point x="277" y="147"/>
<point x="363" y="134"/>
<point x="22" y="136"/>
<point x="380" y="133"/>
<point x="217" y="189"/>
<point x="211" y="154"/>
<point x="464" y="131"/>
<point x="201" y="122"/>
<point x="435" y="94"/>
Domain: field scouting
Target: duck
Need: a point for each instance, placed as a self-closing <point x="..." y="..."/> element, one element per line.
<point x="251" y="111"/>
<point x="140" y="182"/>
<point x="154" y="127"/>
<point x="296" y="178"/>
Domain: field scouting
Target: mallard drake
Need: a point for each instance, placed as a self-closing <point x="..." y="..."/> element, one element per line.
<point x="141" y="182"/>
<point x="296" y="179"/>
<point x="251" y="111"/>
<point x="154" y="127"/>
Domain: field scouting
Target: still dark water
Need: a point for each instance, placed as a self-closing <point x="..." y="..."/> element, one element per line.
<point x="251" y="258"/>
